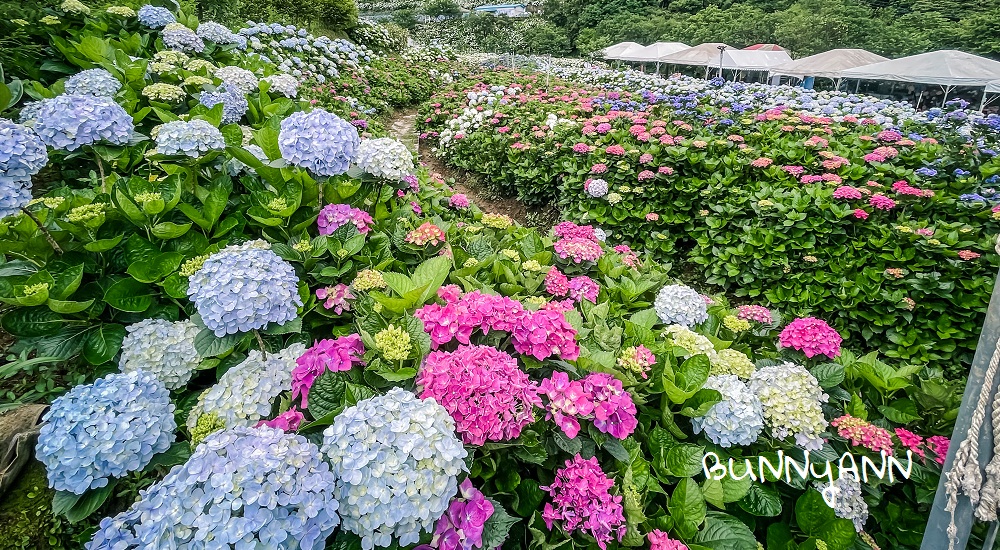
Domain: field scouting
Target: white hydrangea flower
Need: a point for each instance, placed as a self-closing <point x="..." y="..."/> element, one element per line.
<point x="385" y="158"/>
<point x="792" y="399"/>
<point x="691" y="341"/>
<point x="164" y="349"/>
<point x="731" y="361"/>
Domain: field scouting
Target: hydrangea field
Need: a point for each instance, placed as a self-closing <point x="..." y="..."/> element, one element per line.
<point x="260" y="322"/>
<point x="862" y="211"/>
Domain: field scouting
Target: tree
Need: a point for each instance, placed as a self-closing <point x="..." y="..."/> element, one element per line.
<point x="338" y="15"/>
<point x="542" y="37"/>
<point x="980" y="33"/>
<point x="405" y="18"/>
<point x="442" y="8"/>
<point x="814" y="26"/>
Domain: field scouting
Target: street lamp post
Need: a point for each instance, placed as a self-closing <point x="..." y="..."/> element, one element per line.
<point x="722" y="51"/>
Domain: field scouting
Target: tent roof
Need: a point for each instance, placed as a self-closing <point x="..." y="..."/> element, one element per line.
<point x="943" y="67"/>
<point x="654" y="52"/>
<point x="831" y="64"/>
<point x="993" y="87"/>
<point x="754" y="60"/>
<point x="765" y="48"/>
<point x="611" y="52"/>
<point x="702" y="54"/>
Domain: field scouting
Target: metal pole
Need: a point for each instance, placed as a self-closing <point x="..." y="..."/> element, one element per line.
<point x="947" y="90"/>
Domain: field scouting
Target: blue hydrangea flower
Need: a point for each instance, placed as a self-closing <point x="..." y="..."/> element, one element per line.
<point x="237" y="79"/>
<point x="396" y="458"/>
<point x="681" y="305"/>
<point x="243" y="288"/>
<point x="319" y="141"/>
<point x="925" y="171"/>
<point x="284" y="84"/>
<point x="164" y="349"/>
<point x="22" y="153"/>
<point x="95" y="82"/>
<point x="961" y="173"/>
<point x="241" y="488"/>
<point x="68" y="122"/>
<point x="193" y="138"/>
<point x="848" y="500"/>
<point x="234" y="103"/>
<point x="15" y="193"/>
<point x="245" y="393"/>
<point x="178" y="37"/>
<point x="220" y="34"/>
<point x="105" y="429"/>
<point x="385" y="158"/>
<point x="736" y="420"/>
<point x="155" y="17"/>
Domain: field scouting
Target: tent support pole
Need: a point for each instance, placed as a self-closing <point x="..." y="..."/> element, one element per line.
<point x="947" y="90"/>
<point x="857" y="86"/>
<point x="919" y="98"/>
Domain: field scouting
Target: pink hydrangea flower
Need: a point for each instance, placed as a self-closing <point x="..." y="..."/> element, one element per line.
<point x="811" y="336"/>
<point x="578" y="249"/>
<point x="556" y="283"/>
<point x="461" y="527"/>
<point x="603" y="128"/>
<point x="426" y="233"/>
<point x="288" y="421"/>
<point x="569" y="230"/>
<point x="881" y="202"/>
<point x="599" y="168"/>
<point x="860" y="214"/>
<point x="583" y="288"/>
<point x="911" y="441"/>
<point x="754" y="313"/>
<point x="582" y="502"/>
<point x="762" y="162"/>
<point x="646" y="175"/>
<point x="794" y="170"/>
<point x="968" y="255"/>
<point x="925" y="231"/>
<point x="325" y="355"/>
<point x="658" y="540"/>
<point x="629" y="257"/>
<point x="645" y="158"/>
<point x="617" y="150"/>
<point x="809" y="178"/>
<point x="482" y="388"/>
<point x="544" y="333"/>
<point x="458" y="200"/>
<point x="846" y="192"/>
<point x="863" y="433"/>
<point x="334" y="216"/>
<point x="665" y="170"/>
<point x="614" y="410"/>
<point x="458" y="318"/>
<point x="938" y="444"/>
<point x="336" y="297"/>
<point x="450" y="293"/>
<point x="581" y="148"/>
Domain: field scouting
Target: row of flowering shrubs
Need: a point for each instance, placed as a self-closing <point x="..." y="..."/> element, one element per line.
<point x="857" y="209"/>
<point x="296" y="338"/>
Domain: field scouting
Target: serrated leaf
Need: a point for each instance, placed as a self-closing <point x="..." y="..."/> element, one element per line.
<point x="103" y="343"/>
<point x="327" y="394"/>
<point x="725" y="532"/>
<point x="497" y="528"/>
<point x="209" y="345"/>
<point x="761" y="500"/>
<point x="31" y="322"/>
<point x="571" y="446"/>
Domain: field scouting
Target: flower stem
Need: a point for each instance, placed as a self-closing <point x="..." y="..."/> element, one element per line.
<point x="260" y="342"/>
<point x="48" y="236"/>
<point x="100" y="170"/>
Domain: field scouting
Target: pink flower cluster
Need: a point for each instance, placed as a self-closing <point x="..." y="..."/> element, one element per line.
<point x="629" y="257"/>
<point x="812" y="336"/>
<point x="579" y="289"/>
<point x="336" y="297"/>
<point x="333" y="216"/>
<point x="665" y="170"/>
<point x="326" y="355"/>
<point x="599" y="397"/>
<point x="846" y="192"/>
<point x="762" y="162"/>
<point x="599" y="168"/>
<point x="645" y="158"/>
<point x="794" y="170"/>
<point x="860" y="214"/>
<point x="288" y="421"/>
<point x="461" y="314"/>
<point x="911" y="441"/>
<point x="581" y="148"/>
<point x="615" y="150"/>
<point x="658" y="540"/>
<point x="904" y="188"/>
<point x="461" y="527"/>
<point x="458" y="200"/>
<point x="482" y="388"/>
<point x="579" y="250"/>
<point x="544" y="333"/>
<point x="581" y="501"/>
<point x="968" y="255"/>
<point x="646" y="175"/>
<point x="881" y="202"/>
<point x="863" y="433"/>
<point x="570" y="230"/>
<point x="938" y="444"/>
<point x="426" y="233"/>
<point x="754" y="313"/>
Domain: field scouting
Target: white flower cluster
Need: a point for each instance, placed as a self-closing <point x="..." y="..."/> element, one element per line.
<point x="385" y="158"/>
<point x="731" y="361"/>
<point x="692" y="342"/>
<point x="736" y="420"/>
<point x="163" y="349"/>
<point x="597" y="188"/>
<point x="237" y="78"/>
<point x="396" y="458"/>
<point x="792" y="399"/>
<point x="464" y="124"/>
<point x="284" y="84"/>
<point x="679" y="304"/>
<point x="244" y="394"/>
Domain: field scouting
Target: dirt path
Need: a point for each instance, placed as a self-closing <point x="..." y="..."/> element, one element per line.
<point x="403" y="126"/>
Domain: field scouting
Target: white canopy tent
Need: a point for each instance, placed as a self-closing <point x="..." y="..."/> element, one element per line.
<point x="611" y="52"/>
<point x="946" y="68"/>
<point x="754" y="60"/>
<point x="702" y="55"/>
<point x="831" y="64"/>
<point x="991" y="88"/>
<point x="653" y="52"/>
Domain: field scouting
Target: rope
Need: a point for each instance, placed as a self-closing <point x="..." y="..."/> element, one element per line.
<point x="965" y="476"/>
<point x="990" y="494"/>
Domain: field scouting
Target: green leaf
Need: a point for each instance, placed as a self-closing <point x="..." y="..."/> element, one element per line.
<point x="209" y="345"/>
<point x="345" y="541"/>
<point x="761" y="500"/>
<point x="130" y="295"/>
<point x="79" y="507"/>
<point x="64" y="344"/>
<point x="689" y="377"/>
<point x="170" y="230"/>
<point x="615" y="449"/>
<point x="812" y="512"/>
<point x="838" y="534"/>
<point x="175" y="286"/>
<point x="901" y="411"/>
<point x="529" y="498"/>
<point x="701" y="402"/>
<point x="327" y="394"/>
<point x="274" y="329"/>
<point x="68" y="307"/>
<point x="828" y="374"/>
<point x="685" y="459"/>
<point x="103" y="343"/>
<point x="571" y="446"/>
<point x="31" y="322"/>
<point x="687" y="505"/>
<point x="156" y="268"/>
<point x="103" y="245"/>
<point x="734" y="489"/>
<point x="178" y="453"/>
<point x="431" y="273"/>
<point x="725" y="532"/>
<point x="65" y="281"/>
<point x="646" y="318"/>
<point x="497" y="528"/>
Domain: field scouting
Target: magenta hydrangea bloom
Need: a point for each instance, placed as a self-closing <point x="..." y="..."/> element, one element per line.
<point x="570" y="230"/>
<point x="811" y="336"/>
<point x="846" y="192"/>
<point x="599" y="397"/>
<point x="461" y="527"/>
<point x="458" y="200"/>
<point x="336" y="297"/>
<point x="938" y="444"/>
<point x="562" y="306"/>
<point x="326" y="355"/>
<point x="482" y="388"/>
<point x="544" y="333"/>
<point x="461" y="315"/>
<point x="583" y="288"/>
<point x="288" y="421"/>
<point x="333" y="216"/>
<point x="581" y="148"/>
<point x="658" y="540"/>
<point x="556" y="283"/>
<point x="582" y="502"/>
<point x="911" y="441"/>
<point x="754" y="313"/>
<point x="567" y="400"/>
<point x="578" y="249"/>
<point x="882" y="202"/>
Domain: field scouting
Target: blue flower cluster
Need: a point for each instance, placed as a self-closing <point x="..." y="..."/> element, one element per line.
<point x="69" y="122"/>
<point x="396" y="458"/>
<point x="95" y="82"/>
<point x="301" y="54"/>
<point x="243" y="288"/>
<point x="105" y="429"/>
<point x="237" y="78"/>
<point x="385" y="158"/>
<point x="220" y="34"/>
<point x="848" y="500"/>
<point x="234" y="103"/>
<point x="284" y="84"/>
<point x="193" y="138"/>
<point x="155" y="17"/>
<point x="22" y="155"/>
<point x="241" y="488"/>
<point x="319" y="141"/>
<point x="736" y="420"/>
<point x="681" y="305"/>
<point x="164" y="349"/>
<point x="178" y="37"/>
<point x="925" y="171"/>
